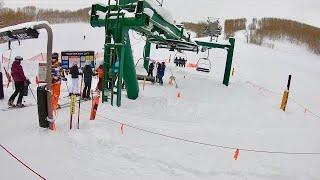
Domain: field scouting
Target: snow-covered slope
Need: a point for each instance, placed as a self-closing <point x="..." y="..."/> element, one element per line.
<point x="243" y="115"/>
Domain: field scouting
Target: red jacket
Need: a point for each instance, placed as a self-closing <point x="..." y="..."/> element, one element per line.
<point x="17" y="72"/>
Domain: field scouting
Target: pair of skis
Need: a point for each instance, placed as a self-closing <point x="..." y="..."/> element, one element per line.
<point x="73" y="101"/>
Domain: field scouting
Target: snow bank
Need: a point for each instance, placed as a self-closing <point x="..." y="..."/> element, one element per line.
<point x="23" y="25"/>
<point x="166" y="15"/>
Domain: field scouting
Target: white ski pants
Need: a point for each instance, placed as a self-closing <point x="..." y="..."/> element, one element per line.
<point x="75" y="86"/>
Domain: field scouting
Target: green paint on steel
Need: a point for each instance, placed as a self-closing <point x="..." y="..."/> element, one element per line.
<point x="106" y="66"/>
<point x="212" y="44"/>
<point x="146" y="55"/>
<point x="117" y="25"/>
<point x="230" y="49"/>
<point x="227" y="70"/>
<point x="129" y="71"/>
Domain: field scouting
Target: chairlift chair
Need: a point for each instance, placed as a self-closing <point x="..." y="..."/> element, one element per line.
<point x="204" y="65"/>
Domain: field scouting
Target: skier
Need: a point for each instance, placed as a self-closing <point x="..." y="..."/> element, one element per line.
<point x="176" y="61"/>
<point x="150" y="71"/>
<point x="74" y="71"/>
<point x="57" y="75"/>
<point x="180" y="62"/>
<point x="184" y="61"/>
<point x="87" y="77"/>
<point x="158" y="72"/>
<point x="161" y="72"/>
<point x="19" y="82"/>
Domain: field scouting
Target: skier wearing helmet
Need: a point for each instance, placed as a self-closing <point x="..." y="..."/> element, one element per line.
<point x="20" y="79"/>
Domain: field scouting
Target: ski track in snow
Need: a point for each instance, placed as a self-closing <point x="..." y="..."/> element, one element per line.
<point x="242" y="115"/>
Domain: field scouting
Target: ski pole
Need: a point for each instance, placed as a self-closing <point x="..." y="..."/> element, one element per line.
<point x="80" y="101"/>
<point x="72" y="108"/>
<point x="9" y="58"/>
<point x="34" y="97"/>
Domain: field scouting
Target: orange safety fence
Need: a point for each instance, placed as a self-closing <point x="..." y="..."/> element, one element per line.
<point x="191" y="65"/>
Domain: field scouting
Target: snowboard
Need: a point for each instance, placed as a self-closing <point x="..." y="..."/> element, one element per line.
<point x="95" y="104"/>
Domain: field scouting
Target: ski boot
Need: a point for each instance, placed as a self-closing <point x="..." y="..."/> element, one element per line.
<point x="20" y="105"/>
<point x="10" y="104"/>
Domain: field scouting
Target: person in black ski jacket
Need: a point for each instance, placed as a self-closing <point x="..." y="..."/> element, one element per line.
<point x="151" y="68"/>
<point x="158" y="72"/>
<point x="162" y="72"/>
<point x="87" y="78"/>
<point x="74" y="71"/>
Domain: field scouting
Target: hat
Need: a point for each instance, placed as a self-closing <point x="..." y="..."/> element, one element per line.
<point x="18" y="58"/>
<point x="55" y="55"/>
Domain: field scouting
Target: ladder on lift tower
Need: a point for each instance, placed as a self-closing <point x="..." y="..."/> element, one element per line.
<point x="112" y="50"/>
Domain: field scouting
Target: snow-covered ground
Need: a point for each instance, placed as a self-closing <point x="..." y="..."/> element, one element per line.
<point x="244" y="115"/>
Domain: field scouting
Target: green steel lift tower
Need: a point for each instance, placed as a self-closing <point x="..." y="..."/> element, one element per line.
<point x="149" y="19"/>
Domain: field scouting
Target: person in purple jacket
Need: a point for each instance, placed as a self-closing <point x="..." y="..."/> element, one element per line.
<point x="19" y="81"/>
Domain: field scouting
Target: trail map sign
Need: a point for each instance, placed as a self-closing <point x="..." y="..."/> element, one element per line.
<point x="69" y="58"/>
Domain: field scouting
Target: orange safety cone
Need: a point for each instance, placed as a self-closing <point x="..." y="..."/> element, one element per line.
<point x="236" y="154"/>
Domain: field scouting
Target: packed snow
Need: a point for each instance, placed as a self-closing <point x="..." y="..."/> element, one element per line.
<point x="244" y="115"/>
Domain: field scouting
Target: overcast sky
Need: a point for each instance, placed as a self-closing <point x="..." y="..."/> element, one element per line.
<point x="307" y="11"/>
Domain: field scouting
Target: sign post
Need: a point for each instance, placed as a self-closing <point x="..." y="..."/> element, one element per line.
<point x="285" y="95"/>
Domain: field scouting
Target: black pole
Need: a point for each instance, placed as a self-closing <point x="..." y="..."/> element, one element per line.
<point x="289" y="82"/>
<point x="34" y="97"/>
<point x="1" y="86"/>
<point x="80" y="101"/>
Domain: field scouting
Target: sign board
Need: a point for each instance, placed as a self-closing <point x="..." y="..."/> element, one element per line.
<point x="42" y="72"/>
<point x="69" y="58"/>
<point x="21" y="34"/>
<point x="73" y="104"/>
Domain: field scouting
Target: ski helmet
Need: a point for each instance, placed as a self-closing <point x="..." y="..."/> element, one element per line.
<point x="18" y="58"/>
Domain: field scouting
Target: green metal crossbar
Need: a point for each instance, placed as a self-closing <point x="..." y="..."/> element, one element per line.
<point x="143" y="17"/>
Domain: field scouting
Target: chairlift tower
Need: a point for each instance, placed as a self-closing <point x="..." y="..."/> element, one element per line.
<point x="148" y="18"/>
<point x="213" y="28"/>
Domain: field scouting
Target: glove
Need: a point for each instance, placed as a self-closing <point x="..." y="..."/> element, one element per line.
<point x="27" y="82"/>
<point x="64" y="79"/>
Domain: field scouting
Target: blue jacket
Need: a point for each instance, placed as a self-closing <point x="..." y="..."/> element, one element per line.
<point x="162" y="70"/>
<point x="116" y="67"/>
